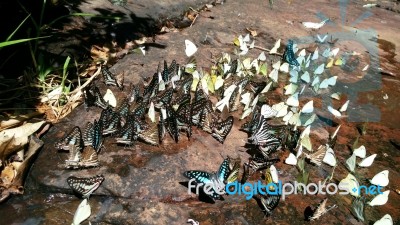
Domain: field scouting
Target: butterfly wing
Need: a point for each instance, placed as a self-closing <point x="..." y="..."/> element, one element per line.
<point x="222" y="129"/>
<point x="200" y="177"/>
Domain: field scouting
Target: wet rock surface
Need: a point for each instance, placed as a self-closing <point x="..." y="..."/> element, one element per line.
<point x="142" y="182"/>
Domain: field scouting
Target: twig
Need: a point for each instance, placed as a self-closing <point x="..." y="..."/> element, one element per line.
<point x="86" y="83"/>
<point x="265" y="49"/>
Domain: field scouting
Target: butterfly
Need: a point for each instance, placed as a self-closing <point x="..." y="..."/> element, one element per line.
<point x="207" y="117"/>
<point x="184" y="118"/>
<point x="123" y="109"/>
<point x="151" y="87"/>
<point x="97" y="135"/>
<point x="288" y="55"/>
<point x="269" y="203"/>
<point x="172" y="123"/>
<point x="88" y="134"/>
<point x="164" y="98"/>
<point x="251" y="126"/>
<point x="99" y="100"/>
<point x="82" y="212"/>
<point x="150" y="135"/>
<point x="357" y="208"/>
<point x="321" y="210"/>
<point x="79" y="160"/>
<point x="216" y="179"/>
<point x="89" y="97"/>
<point x="190" y="48"/>
<point x="263" y="135"/>
<point x="234" y="100"/>
<point x="140" y="110"/>
<point x="85" y="186"/>
<point x="74" y="137"/>
<point x="126" y="133"/>
<point x="134" y="95"/>
<point x="113" y="124"/>
<point x="197" y="108"/>
<point x="257" y="164"/>
<point x="317" y="157"/>
<point x="221" y="129"/>
<point x="109" y="78"/>
<point x="234" y="167"/>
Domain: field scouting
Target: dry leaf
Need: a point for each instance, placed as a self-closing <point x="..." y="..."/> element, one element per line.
<point x="12" y="140"/>
<point x="252" y="32"/>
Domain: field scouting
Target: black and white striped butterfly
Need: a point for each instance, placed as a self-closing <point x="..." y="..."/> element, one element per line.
<point x="317" y="157"/>
<point x="216" y="180"/>
<point x="99" y="100"/>
<point x="109" y="78"/>
<point x="221" y="129"/>
<point x="264" y="134"/>
<point x="88" y="134"/>
<point x="80" y="160"/>
<point x="289" y="56"/>
<point x="257" y="163"/>
<point x="97" y="142"/>
<point x="126" y="135"/>
<point x="321" y="210"/>
<point x="74" y="137"/>
<point x="269" y="202"/>
<point x="150" y="135"/>
<point x="85" y="186"/>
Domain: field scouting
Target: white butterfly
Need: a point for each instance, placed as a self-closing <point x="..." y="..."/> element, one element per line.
<point x="311" y="25"/>
<point x="315" y="54"/>
<point x="308" y="107"/>
<point x="291" y="159"/>
<point x="305" y="138"/>
<point x="274" y="75"/>
<point x="281" y="108"/>
<point x="336" y="96"/>
<point x="274" y="174"/>
<point x="290" y="89"/>
<point x="190" y="48"/>
<point x="262" y="57"/>
<point x="380" y="199"/>
<point x="219" y="82"/>
<point x="385" y="220"/>
<point x="267" y="111"/>
<point x="266" y="89"/>
<point x="338" y="113"/>
<point x="322" y="40"/>
<point x="365" y="68"/>
<point x="294" y="76"/>
<point x="284" y="67"/>
<point x="299" y="151"/>
<point x="82" y="212"/>
<point x="344" y="106"/>
<point x="350" y="183"/>
<point x="305" y="77"/>
<point x="334" y="52"/>
<point x="276" y="46"/>
<point x="367" y="162"/>
<point x="351" y="162"/>
<point x="310" y="120"/>
<point x="110" y="98"/>
<point x="326" y="53"/>
<point x="320" y="69"/>
<point x="360" y="151"/>
<point x="246" y="98"/>
<point x="276" y="65"/>
<point x="152" y="112"/>
<point x="381" y="178"/>
<point x="293" y="100"/>
<point x="330" y="158"/>
<point x="328" y="82"/>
